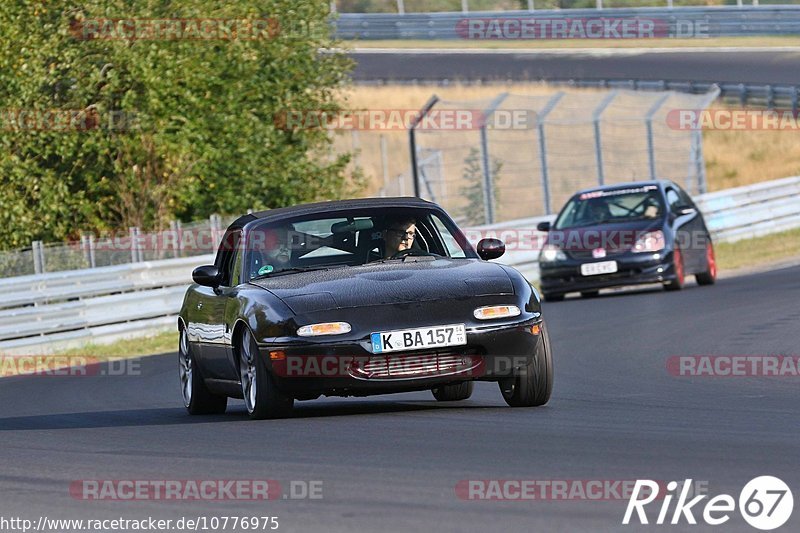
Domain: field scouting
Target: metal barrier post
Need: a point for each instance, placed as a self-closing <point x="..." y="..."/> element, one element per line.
<point x="38" y="263"/>
<point x="651" y="154"/>
<point x="488" y="179"/>
<point x="413" y="141"/>
<point x="598" y="145"/>
<point x="134" y="234"/>
<point x="177" y="242"/>
<point x="543" y="148"/>
<point x="87" y="245"/>
<point x="384" y="165"/>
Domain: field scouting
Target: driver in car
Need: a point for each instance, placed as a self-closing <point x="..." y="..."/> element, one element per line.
<point x="399" y="236"/>
<point x="277" y="252"/>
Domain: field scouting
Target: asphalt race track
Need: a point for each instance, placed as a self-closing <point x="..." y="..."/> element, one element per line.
<point x="708" y="65"/>
<point x="392" y="463"/>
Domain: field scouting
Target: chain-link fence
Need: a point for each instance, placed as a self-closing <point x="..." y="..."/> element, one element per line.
<point x="526" y="155"/>
<point x="92" y="251"/>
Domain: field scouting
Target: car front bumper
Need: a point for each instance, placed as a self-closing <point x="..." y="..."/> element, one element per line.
<point x="350" y="369"/>
<point x="633" y="269"/>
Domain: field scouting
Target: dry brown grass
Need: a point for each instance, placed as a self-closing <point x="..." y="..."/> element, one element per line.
<point x="733" y="158"/>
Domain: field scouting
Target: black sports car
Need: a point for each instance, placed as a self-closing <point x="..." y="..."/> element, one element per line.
<point x="357" y="297"/>
<point x="636" y="233"/>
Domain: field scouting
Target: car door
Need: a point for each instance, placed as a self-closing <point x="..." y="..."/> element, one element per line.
<point x="216" y="305"/>
<point x="687" y="226"/>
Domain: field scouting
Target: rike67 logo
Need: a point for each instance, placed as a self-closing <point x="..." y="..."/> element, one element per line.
<point x="765" y="503"/>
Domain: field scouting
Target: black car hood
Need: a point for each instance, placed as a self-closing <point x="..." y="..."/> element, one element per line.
<point x="616" y="236"/>
<point x="388" y="283"/>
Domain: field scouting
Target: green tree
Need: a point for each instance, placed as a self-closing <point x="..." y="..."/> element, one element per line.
<point x="167" y="126"/>
<point x="473" y="191"/>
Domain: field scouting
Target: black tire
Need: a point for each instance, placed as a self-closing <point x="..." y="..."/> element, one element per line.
<point x="552" y="297"/>
<point x="533" y="384"/>
<point x="709" y="277"/>
<point x="680" y="273"/>
<point x="454" y="393"/>
<point x="261" y="397"/>
<point x="590" y="294"/>
<point x="197" y="399"/>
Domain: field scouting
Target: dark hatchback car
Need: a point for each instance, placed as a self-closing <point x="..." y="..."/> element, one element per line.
<point x="636" y="233"/>
<point x="319" y="300"/>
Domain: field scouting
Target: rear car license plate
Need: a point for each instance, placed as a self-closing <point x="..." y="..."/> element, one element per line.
<point x="594" y="269"/>
<point x="418" y="338"/>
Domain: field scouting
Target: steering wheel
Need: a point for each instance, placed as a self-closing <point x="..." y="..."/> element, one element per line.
<point x="412" y="251"/>
<point x="402" y="253"/>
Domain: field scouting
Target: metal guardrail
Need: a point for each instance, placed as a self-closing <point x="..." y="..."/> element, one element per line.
<point x="52" y="311"/>
<point x="64" y="309"/>
<point x="689" y="22"/>
<point x="765" y="95"/>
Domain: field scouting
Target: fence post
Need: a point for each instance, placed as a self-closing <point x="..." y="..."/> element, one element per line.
<point x="134" y="234"/>
<point x="401" y="7"/>
<point x="488" y="178"/>
<point x="412" y="140"/>
<point x="531" y="7"/>
<point x="598" y="145"/>
<point x="38" y="262"/>
<point x="540" y="120"/>
<point x="177" y="241"/>
<point x="651" y="154"/>
<point x="384" y="165"/>
<point x="465" y="6"/>
<point x="87" y="245"/>
<point x="599" y="4"/>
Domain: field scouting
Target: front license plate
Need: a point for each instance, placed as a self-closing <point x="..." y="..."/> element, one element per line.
<point x="594" y="269"/>
<point x="418" y="338"/>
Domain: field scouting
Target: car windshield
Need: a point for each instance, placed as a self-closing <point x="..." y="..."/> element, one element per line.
<point x="611" y="206"/>
<point x="352" y="238"/>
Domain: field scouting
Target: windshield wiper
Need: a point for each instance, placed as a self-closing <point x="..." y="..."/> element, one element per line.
<point x="293" y="270"/>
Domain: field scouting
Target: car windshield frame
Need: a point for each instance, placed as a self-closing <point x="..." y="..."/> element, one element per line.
<point x="579" y="205"/>
<point x="345" y="253"/>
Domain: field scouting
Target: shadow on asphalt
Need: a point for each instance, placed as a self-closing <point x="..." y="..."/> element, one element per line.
<point x="614" y="293"/>
<point x="236" y="413"/>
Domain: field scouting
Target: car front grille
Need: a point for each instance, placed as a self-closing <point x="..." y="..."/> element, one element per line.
<point x="584" y="255"/>
<point x="398" y="367"/>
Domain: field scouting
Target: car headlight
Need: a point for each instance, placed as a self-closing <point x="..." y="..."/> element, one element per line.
<point x="496" y="311"/>
<point x="551" y="252"/>
<point x="325" y="328"/>
<point x="652" y="241"/>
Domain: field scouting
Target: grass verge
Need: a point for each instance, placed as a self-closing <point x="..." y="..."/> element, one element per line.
<point x="163" y="342"/>
<point x="758" y="252"/>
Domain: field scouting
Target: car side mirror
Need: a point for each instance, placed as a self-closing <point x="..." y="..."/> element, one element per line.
<point x="207" y="275"/>
<point x="543" y="226"/>
<point x="491" y="248"/>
